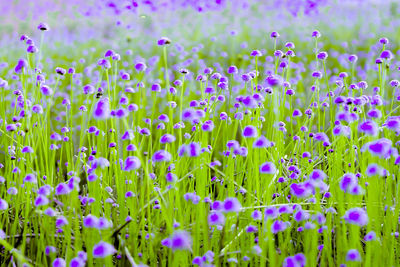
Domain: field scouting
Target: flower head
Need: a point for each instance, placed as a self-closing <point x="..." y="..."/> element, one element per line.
<point x="103" y="249"/>
<point x="356" y="216"/>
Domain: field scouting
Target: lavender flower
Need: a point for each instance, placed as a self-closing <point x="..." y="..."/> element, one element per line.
<point x="356" y="216"/>
<point x="268" y="168"/>
<point x="103" y="249"/>
<point x="102" y="109"/>
<point x="131" y="163"/>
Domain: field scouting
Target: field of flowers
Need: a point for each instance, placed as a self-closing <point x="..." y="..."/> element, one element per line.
<point x="200" y="133"/>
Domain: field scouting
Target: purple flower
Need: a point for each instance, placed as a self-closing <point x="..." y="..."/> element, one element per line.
<point x="298" y="260"/>
<point x="208" y="126"/>
<point x="47" y="91"/>
<point x="50" y="249"/>
<point x="161" y="155"/>
<point x="167" y="138"/>
<point x="261" y="142"/>
<point x="77" y="262"/>
<point x="356" y="216"/>
<point x="59" y="262"/>
<point x="374" y="169"/>
<point x="156" y="87"/>
<point x="274" y="80"/>
<point x="189" y="114"/>
<point x="22" y="63"/>
<point x="300" y="215"/>
<point x="171" y="177"/>
<point x="163" y="41"/>
<point x="270" y="213"/>
<point x="300" y="190"/>
<point x="353" y="58"/>
<point x="369" y="128"/>
<point x="251" y="229"/>
<point x="50" y="212"/>
<point x="256" y="215"/>
<point x="62" y="189"/>
<point x="38" y="109"/>
<point x="322" y="55"/>
<point x="140" y="66"/>
<point x="386" y="54"/>
<point x="103" y="249"/>
<point x="353" y="255"/>
<point x="61" y="221"/>
<point x="90" y="221"/>
<point x="193" y="149"/>
<point x="131" y="163"/>
<point x="128" y="135"/>
<point x="381" y="147"/>
<point x="102" y="109"/>
<point x="232" y="70"/>
<point x="231" y="205"/>
<point x="43" y="26"/>
<point x="393" y="123"/>
<point x="216" y="218"/>
<point x="103" y="223"/>
<point x="274" y="34"/>
<point x="347" y="182"/>
<point x="104" y="63"/>
<point x="41" y="200"/>
<point x="32" y="49"/>
<point x="30" y="178"/>
<point x="278" y="226"/>
<point x="180" y="240"/>
<point x="317" y="175"/>
<point x="370" y="236"/>
<point x="3" y="204"/>
<point x="249" y="131"/>
<point x="256" y="53"/>
<point x="60" y="71"/>
<point x="268" y="168"/>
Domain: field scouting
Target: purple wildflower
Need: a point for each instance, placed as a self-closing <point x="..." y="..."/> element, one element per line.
<point x="249" y="131"/>
<point x="161" y="155"/>
<point x="369" y="128"/>
<point x="59" y="262"/>
<point x="231" y="205"/>
<point x="131" y="163"/>
<point x="103" y="249"/>
<point x="356" y="216"/>
<point x="102" y="109"/>
<point x="216" y="218"/>
<point x="278" y="226"/>
<point x="353" y="255"/>
<point x="268" y="168"/>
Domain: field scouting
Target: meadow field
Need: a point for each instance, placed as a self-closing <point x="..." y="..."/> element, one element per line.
<point x="199" y="133"/>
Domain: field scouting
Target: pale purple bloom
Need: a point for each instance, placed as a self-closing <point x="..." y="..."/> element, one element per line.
<point x="250" y="131"/>
<point x="353" y="255"/>
<point x="59" y="262"/>
<point x="41" y="200"/>
<point x="278" y="226"/>
<point x="103" y="249"/>
<point x="131" y="163"/>
<point x="231" y="205"/>
<point x="356" y="216"/>
<point x="161" y="155"/>
<point x="102" y="109"/>
<point x="90" y="221"/>
<point x="3" y="204"/>
<point x="369" y="128"/>
<point x="268" y="168"/>
<point x="370" y="236"/>
<point x="216" y="218"/>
